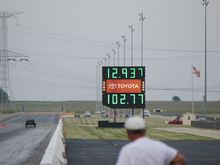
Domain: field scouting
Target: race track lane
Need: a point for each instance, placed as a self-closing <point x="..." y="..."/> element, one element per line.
<point x="20" y="145"/>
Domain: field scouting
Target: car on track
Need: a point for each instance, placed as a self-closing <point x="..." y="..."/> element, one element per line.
<point x="158" y="110"/>
<point x="30" y="123"/>
<point x="146" y="113"/>
<point x="87" y="114"/>
<point x="128" y="115"/>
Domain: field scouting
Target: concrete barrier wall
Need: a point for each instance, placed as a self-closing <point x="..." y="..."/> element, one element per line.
<point x="55" y="153"/>
<point x="206" y="124"/>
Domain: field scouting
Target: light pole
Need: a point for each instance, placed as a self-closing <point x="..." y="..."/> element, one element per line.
<point x="132" y="30"/>
<point x="101" y="107"/>
<point x="108" y="57"/>
<point x="118" y="45"/>
<point x="124" y="40"/>
<point x="114" y="52"/>
<point x="142" y="18"/>
<point x="205" y="4"/>
<point x="97" y="66"/>
<point x="98" y="87"/>
<point x="105" y="60"/>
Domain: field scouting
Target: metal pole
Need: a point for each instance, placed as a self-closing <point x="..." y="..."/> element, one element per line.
<point x="4" y="58"/>
<point x="96" y="88"/>
<point x="205" y="3"/>
<point x="113" y="50"/>
<point x="124" y="40"/>
<point x="132" y="30"/>
<point x="142" y="18"/>
<point x="99" y="86"/>
<point x="105" y="60"/>
<point x="191" y="70"/>
<point x="108" y="57"/>
<point x="101" y="107"/>
<point x="118" y="45"/>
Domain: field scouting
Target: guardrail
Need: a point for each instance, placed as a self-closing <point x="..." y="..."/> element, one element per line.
<point x="55" y="153"/>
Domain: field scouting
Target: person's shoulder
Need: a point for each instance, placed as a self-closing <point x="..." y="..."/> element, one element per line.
<point x="158" y="143"/>
<point x="135" y="143"/>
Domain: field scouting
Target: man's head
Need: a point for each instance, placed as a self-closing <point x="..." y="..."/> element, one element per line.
<point x="135" y="127"/>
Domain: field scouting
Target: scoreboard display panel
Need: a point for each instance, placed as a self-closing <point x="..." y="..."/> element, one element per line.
<point x="123" y="87"/>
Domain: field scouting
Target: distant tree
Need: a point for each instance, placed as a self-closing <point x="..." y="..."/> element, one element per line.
<point x="176" y="98"/>
<point x="3" y="96"/>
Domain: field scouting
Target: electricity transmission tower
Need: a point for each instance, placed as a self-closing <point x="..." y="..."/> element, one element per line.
<point x="6" y="56"/>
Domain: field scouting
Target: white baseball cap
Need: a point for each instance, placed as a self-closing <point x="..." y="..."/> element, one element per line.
<point x="135" y="123"/>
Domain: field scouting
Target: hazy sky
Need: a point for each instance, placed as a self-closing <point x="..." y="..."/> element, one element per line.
<point x="65" y="39"/>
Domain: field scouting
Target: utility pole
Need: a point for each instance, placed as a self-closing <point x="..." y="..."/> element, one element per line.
<point x="118" y="45"/>
<point x="205" y="4"/>
<point x="101" y="106"/>
<point x="114" y="52"/>
<point x="99" y="86"/>
<point x="132" y="30"/>
<point x="142" y="18"/>
<point x="105" y="60"/>
<point x="6" y="56"/>
<point x="97" y="67"/>
<point x="124" y="40"/>
<point x="108" y="57"/>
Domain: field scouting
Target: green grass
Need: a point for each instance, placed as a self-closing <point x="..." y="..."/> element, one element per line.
<point x="86" y="128"/>
<point x="82" y="106"/>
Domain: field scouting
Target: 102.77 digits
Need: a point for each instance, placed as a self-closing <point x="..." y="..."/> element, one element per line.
<point x="124" y="100"/>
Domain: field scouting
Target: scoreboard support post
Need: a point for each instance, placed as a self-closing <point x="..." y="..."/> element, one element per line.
<point x="114" y="115"/>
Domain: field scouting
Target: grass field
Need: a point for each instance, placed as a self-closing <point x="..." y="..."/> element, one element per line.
<point x="87" y="128"/>
<point x="81" y="106"/>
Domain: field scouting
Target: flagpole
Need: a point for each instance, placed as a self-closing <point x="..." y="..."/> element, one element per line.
<point x="192" y="89"/>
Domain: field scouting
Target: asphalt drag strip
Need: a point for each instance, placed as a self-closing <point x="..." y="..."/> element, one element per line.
<point x="25" y="146"/>
<point x="97" y="152"/>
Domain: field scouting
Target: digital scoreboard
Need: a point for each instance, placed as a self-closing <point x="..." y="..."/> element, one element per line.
<point x="123" y="87"/>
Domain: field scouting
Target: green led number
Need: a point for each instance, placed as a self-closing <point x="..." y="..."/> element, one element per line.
<point x="124" y="72"/>
<point x="114" y="72"/>
<point x="141" y="71"/>
<point x="122" y="99"/>
<point x="132" y="72"/>
<point x="108" y="73"/>
<point x="114" y="99"/>
<point x="142" y="98"/>
<point x="133" y="98"/>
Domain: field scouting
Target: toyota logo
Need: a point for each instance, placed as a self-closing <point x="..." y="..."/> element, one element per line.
<point x="112" y="86"/>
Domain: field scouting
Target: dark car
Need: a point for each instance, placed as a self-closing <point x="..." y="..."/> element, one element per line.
<point x="30" y="123"/>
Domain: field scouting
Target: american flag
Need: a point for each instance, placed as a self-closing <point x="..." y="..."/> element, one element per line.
<point x="196" y="71"/>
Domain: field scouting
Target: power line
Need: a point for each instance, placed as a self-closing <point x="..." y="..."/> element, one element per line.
<point x="62" y="39"/>
<point x="65" y="38"/>
<point x="163" y="58"/>
<point x="44" y="72"/>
